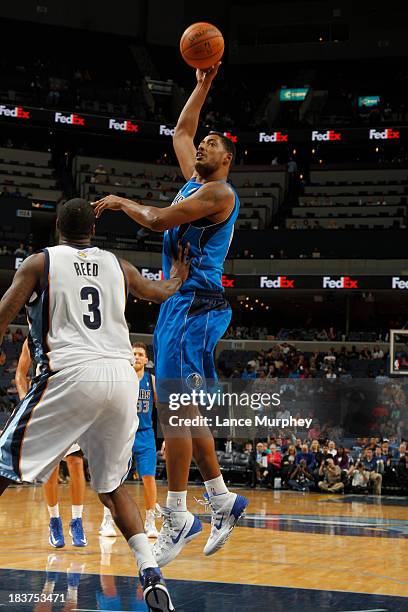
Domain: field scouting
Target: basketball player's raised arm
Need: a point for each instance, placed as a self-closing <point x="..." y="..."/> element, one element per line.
<point x="23" y="366"/>
<point x="157" y="291"/>
<point x="186" y="128"/>
<point x="25" y="280"/>
<point x="214" y="197"/>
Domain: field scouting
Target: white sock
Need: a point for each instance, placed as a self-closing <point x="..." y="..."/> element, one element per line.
<point x="140" y="546"/>
<point x="77" y="511"/>
<point x="53" y="511"/>
<point x="216" y="486"/>
<point x="177" y="500"/>
<point x="106" y="513"/>
<point x="150" y="515"/>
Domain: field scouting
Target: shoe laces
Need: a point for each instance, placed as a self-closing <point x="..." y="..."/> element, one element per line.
<point x="57" y="527"/>
<point x="76" y="527"/>
<point x="216" y="514"/>
<point x="168" y="529"/>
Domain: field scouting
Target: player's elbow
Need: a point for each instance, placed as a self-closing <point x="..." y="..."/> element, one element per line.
<point x="158" y="224"/>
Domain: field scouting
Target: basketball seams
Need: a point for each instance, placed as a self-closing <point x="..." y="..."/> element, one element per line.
<point x="187" y="57"/>
<point x="199" y="42"/>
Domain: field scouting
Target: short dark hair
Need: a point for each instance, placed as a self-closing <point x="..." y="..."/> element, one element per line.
<point x="76" y="218"/>
<point x="229" y="146"/>
<point x="141" y="345"/>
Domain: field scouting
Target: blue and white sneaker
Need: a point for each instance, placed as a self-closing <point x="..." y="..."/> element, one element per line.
<point x="177" y="530"/>
<point x="76" y="531"/>
<point x="223" y="520"/>
<point x="56" y="538"/>
<point x="155" y="592"/>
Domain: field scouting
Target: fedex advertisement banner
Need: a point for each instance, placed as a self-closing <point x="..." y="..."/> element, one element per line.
<point x="270" y="282"/>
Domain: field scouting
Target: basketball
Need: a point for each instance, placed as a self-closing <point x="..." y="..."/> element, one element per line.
<point x="202" y="45"/>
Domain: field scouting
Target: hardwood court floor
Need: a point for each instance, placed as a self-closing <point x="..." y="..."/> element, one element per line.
<point x="302" y="541"/>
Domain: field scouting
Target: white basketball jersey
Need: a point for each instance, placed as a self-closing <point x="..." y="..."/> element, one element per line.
<point x="79" y="316"/>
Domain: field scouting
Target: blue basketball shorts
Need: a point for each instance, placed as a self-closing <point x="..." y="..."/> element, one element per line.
<point x="144" y="451"/>
<point x="187" y="331"/>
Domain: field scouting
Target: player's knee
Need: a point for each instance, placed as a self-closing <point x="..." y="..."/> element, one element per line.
<point x="106" y="499"/>
<point x="74" y="462"/>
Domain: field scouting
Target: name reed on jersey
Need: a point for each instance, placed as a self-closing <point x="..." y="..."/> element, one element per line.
<point x="85" y="268"/>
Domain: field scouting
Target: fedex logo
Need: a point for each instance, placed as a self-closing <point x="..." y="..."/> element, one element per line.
<point x="231" y="137"/>
<point x="330" y="135"/>
<point x="166" y="131"/>
<point x="18" y="112"/>
<point x="397" y="283"/>
<point x="72" y="119"/>
<point x="388" y="134"/>
<point x="280" y="282"/>
<point x="275" y="137"/>
<point x="228" y="283"/>
<point x="155" y="276"/>
<point x="124" y="126"/>
<point x="344" y="282"/>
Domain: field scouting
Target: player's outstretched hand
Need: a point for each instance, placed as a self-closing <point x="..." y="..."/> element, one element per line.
<point x="208" y="75"/>
<point x="181" y="265"/>
<point x="111" y="202"/>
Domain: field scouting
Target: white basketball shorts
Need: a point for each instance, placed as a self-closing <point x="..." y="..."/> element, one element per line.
<point x="94" y="404"/>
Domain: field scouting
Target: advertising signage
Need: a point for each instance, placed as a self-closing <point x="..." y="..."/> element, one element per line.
<point x="297" y="94"/>
<point x="123" y="127"/>
<point x="368" y="101"/>
<point x="269" y="282"/>
<point x="265" y="283"/>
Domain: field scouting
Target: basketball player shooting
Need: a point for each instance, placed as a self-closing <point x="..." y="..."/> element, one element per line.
<point x="191" y="323"/>
<point x="87" y="389"/>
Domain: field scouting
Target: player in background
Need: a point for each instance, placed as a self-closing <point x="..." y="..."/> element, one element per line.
<point x="191" y="323"/>
<point x="75" y="464"/>
<point x="86" y="389"/>
<point x="144" y="447"/>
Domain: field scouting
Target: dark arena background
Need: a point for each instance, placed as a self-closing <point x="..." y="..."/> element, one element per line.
<point x="314" y="97"/>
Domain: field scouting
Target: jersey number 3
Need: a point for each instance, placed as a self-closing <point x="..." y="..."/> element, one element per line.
<point x="94" y="319"/>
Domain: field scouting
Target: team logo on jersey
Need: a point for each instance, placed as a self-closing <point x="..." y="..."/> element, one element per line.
<point x="82" y="254"/>
<point x="194" y="380"/>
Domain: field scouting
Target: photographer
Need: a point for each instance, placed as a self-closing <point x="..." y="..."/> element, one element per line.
<point x="301" y="479"/>
<point x="331" y="473"/>
<point x="359" y="477"/>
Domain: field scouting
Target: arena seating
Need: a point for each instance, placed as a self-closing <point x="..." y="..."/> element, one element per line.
<point x="31" y="172"/>
<point x="352" y="199"/>
<point x="261" y="190"/>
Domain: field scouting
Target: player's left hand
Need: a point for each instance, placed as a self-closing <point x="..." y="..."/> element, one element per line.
<point x="207" y="76"/>
<point x="181" y="265"/>
<point x="110" y="202"/>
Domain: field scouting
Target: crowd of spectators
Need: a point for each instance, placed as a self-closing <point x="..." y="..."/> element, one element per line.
<point x="22" y="251"/>
<point x="345" y="393"/>
<point x="286" y="361"/>
<point x="323" y="334"/>
<point x="325" y="466"/>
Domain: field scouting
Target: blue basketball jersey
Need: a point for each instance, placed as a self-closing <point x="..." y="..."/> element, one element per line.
<point x="145" y="402"/>
<point x="209" y="244"/>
